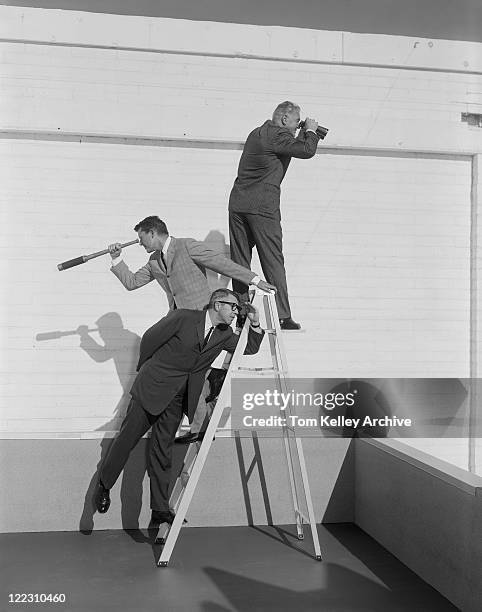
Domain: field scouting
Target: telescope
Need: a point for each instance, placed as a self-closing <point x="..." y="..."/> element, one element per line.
<point x="320" y="130"/>
<point x="83" y="258"/>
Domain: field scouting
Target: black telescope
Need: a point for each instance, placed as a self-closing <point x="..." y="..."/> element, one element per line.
<point x="65" y="265"/>
<point x="320" y="130"/>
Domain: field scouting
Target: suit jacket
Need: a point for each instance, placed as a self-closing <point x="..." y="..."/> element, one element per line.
<point x="184" y="280"/>
<point x="171" y="356"/>
<point x="266" y="156"/>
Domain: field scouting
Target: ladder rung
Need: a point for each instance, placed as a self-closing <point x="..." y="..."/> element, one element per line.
<point x="261" y="372"/>
<point x="183" y="477"/>
<point x="274" y="370"/>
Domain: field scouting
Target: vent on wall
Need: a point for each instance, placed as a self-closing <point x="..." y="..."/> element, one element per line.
<point x="472" y="119"/>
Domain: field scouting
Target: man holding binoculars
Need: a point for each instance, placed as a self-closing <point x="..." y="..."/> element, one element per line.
<point x="254" y="203"/>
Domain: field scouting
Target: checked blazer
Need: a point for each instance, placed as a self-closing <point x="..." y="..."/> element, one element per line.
<point x="184" y="279"/>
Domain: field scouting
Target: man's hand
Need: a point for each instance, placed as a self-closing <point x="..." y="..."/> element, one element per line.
<point x="310" y="124"/>
<point x="115" y="250"/>
<point x="82" y="330"/>
<point x="264" y="286"/>
<point x="252" y="313"/>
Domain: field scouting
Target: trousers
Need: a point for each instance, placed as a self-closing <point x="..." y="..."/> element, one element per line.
<point x="136" y="423"/>
<point x="247" y="230"/>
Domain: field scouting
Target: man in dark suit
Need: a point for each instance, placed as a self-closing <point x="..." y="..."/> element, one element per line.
<point x="254" y="203"/>
<point x="175" y="355"/>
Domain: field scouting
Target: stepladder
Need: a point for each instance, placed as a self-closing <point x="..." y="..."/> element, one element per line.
<point x="239" y="374"/>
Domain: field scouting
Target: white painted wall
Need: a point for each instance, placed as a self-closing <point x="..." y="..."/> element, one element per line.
<point x="376" y="226"/>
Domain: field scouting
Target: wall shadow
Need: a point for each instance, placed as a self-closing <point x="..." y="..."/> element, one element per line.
<point x="122" y="347"/>
<point x="217" y="241"/>
<point x="343" y="493"/>
<point x="280" y="534"/>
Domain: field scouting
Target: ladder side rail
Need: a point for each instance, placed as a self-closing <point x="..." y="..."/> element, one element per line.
<point x="309" y="501"/>
<point x="276" y="348"/>
<point x="274" y="320"/>
<point x="222" y="402"/>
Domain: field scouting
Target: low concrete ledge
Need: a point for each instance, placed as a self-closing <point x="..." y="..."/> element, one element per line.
<point x="426" y="512"/>
<point x="457" y="477"/>
<point x="48" y="484"/>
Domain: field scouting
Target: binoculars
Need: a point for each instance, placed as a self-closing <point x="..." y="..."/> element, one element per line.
<point x="320" y="130"/>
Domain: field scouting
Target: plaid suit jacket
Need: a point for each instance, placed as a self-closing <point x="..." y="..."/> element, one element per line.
<point x="266" y="156"/>
<point x="184" y="280"/>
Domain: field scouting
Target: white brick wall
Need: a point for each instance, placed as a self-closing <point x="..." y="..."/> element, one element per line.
<point x="104" y="91"/>
<point x="376" y="227"/>
<point x="377" y="261"/>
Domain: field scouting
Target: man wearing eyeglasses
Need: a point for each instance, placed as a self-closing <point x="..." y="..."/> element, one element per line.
<point x="175" y="355"/>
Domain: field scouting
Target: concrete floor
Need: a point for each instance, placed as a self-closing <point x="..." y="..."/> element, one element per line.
<point x="212" y="570"/>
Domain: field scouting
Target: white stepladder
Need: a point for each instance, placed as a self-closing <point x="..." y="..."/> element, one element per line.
<point x="197" y="452"/>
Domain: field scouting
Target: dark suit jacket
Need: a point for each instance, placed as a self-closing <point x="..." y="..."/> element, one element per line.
<point x="266" y="156"/>
<point x="171" y="356"/>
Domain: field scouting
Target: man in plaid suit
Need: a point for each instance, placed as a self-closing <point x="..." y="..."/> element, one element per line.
<point x="254" y="203"/>
<point x="179" y="265"/>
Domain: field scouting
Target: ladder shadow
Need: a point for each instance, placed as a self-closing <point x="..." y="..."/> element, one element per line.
<point x="281" y="535"/>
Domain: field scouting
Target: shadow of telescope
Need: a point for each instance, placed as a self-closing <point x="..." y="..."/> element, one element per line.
<point x="54" y="335"/>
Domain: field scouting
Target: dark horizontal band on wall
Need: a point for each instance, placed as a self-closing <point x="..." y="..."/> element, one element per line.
<point x="243" y="56"/>
<point x="231" y="145"/>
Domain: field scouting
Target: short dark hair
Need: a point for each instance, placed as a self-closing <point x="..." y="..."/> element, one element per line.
<point x="284" y="108"/>
<point x="219" y="294"/>
<point x="152" y="223"/>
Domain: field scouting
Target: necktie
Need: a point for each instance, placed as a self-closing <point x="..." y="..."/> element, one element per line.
<point x="163" y="260"/>
<point x="206" y="339"/>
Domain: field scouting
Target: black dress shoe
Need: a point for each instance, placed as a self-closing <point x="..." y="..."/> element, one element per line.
<point x="162" y="516"/>
<point x="289" y="324"/>
<point x="102" y="498"/>
<point x="189" y="438"/>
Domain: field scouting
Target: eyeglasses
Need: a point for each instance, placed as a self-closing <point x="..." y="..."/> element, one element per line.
<point x="234" y="307"/>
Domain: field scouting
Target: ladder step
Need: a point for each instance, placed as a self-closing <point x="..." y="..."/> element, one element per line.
<point x="260" y="373"/>
<point x="183" y="478"/>
<point x="258" y="370"/>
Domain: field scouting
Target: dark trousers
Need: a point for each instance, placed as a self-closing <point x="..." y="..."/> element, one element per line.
<point x="136" y="423"/>
<point x="247" y="230"/>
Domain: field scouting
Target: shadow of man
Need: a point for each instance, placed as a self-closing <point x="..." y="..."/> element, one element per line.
<point x="122" y="347"/>
<point x="216" y="240"/>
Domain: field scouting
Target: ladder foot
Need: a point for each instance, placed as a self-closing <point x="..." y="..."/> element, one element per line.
<point x="318" y="557"/>
<point x="162" y="564"/>
<point x="301" y="536"/>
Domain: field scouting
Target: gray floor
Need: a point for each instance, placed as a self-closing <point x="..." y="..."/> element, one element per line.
<point x="212" y="570"/>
